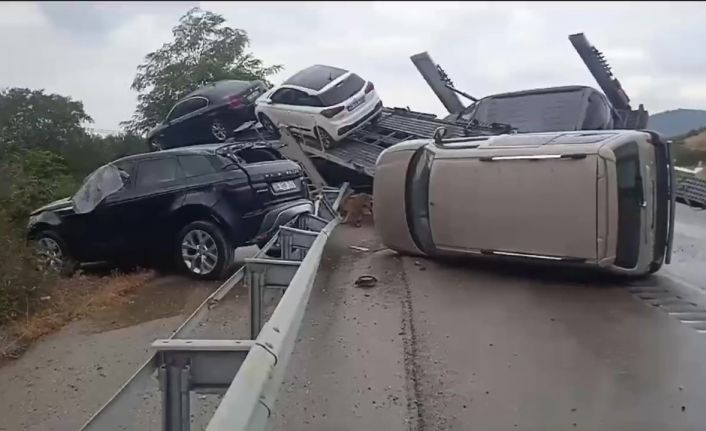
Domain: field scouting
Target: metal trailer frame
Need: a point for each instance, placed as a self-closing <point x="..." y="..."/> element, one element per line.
<point x="248" y="372"/>
<point x="691" y="189"/>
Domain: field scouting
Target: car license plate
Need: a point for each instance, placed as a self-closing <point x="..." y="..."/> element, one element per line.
<point x="283" y="186"/>
<point x="356" y="103"/>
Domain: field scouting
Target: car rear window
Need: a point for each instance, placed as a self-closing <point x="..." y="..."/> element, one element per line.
<point x="342" y="91"/>
<point x="152" y="173"/>
<point x="195" y="165"/>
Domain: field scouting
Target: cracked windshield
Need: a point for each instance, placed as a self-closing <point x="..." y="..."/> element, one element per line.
<point x="413" y="216"/>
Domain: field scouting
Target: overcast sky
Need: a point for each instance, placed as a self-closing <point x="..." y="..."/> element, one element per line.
<point x="90" y="51"/>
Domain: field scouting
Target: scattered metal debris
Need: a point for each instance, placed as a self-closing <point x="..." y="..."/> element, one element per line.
<point x="366" y="281"/>
<point x="355" y="247"/>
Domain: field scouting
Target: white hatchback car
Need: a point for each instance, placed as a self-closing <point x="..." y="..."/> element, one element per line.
<point x="325" y="102"/>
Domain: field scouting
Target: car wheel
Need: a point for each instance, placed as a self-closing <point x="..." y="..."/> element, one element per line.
<point x="269" y="125"/>
<point x="219" y="130"/>
<point x="53" y="254"/>
<point x="203" y="251"/>
<point x="156" y="144"/>
<point x="326" y="140"/>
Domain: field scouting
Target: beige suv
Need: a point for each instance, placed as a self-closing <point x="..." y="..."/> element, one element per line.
<point x="599" y="198"/>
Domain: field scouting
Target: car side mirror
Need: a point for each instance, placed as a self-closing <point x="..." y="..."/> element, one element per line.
<point x="125" y="177"/>
<point x="268" y="101"/>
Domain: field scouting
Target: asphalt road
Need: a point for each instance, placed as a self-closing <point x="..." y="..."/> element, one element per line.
<point x="474" y="345"/>
<point x="433" y="346"/>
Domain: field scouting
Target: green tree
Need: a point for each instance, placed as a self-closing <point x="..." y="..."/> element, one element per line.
<point x="31" y="119"/>
<point x="203" y="50"/>
<point x="34" y="178"/>
<point x="83" y="156"/>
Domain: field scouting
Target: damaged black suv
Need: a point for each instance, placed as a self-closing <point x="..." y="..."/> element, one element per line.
<point x="193" y="204"/>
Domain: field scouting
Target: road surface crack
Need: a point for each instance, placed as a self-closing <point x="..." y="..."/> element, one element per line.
<point x="415" y="406"/>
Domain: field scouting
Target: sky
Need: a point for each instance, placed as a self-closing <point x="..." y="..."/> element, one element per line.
<point x="90" y="50"/>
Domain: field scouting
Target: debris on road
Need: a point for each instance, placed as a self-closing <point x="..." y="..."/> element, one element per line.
<point x="355" y="247"/>
<point x="366" y="281"/>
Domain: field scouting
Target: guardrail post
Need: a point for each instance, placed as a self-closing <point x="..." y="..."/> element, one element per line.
<point x="297" y="242"/>
<point x="325" y="210"/>
<point x="255" y="282"/>
<point x="175" y="386"/>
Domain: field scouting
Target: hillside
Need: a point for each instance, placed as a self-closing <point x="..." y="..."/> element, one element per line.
<point x="677" y="122"/>
<point x="697" y="141"/>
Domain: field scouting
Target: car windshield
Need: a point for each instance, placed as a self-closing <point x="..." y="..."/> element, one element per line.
<point x="103" y="182"/>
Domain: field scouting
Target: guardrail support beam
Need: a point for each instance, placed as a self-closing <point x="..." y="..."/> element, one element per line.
<point x="261" y="277"/>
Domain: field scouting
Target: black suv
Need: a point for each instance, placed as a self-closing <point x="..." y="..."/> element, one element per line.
<point x="208" y="114"/>
<point x="193" y="204"/>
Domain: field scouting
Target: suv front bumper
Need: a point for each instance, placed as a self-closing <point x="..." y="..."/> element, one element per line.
<point x="280" y="215"/>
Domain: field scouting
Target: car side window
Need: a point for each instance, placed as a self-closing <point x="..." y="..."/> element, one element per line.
<point x="283" y="96"/>
<point x="303" y="99"/>
<point x="156" y="172"/>
<point x="195" y="165"/>
<point x="126" y="172"/>
<point x="186" y="107"/>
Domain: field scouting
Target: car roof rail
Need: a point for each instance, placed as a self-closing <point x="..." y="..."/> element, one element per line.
<point x="441" y="142"/>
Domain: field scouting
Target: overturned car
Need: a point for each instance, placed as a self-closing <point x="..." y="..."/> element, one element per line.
<point x="193" y="204"/>
<point x="595" y="198"/>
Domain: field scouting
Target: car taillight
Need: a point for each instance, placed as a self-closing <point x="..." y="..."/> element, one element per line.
<point x="370" y="87"/>
<point x="330" y="112"/>
<point x="235" y="102"/>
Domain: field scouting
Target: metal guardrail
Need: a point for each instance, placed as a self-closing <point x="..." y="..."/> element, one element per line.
<point x="690" y="189"/>
<point x="248" y="372"/>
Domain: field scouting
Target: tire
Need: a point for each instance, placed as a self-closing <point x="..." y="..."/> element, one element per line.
<point x="203" y="251"/>
<point x="326" y="140"/>
<point x="269" y="125"/>
<point x="53" y="254"/>
<point x="655" y="266"/>
<point x="376" y="118"/>
<point x="219" y="130"/>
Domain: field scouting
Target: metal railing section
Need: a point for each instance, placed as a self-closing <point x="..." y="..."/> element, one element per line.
<point x="248" y="372"/>
<point x="690" y="188"/>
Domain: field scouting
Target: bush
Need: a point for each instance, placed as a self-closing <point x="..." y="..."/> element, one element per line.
<point x="33" y="178"/>
<point x="21" y="283"/>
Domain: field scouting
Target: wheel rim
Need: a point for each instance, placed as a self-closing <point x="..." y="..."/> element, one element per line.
<point x="218" y="130"/>
<point x="325" y="138"/>
<point x="199" y="252"/>
<point x="50" y="254"/>
<point x="268" y="125"/>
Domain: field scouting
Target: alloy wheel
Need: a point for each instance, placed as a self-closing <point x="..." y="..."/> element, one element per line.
<point x="325" y="139"/>
<point x="199" y="252"/>
<point x="218" y="130"/>
<point x="268" y="125"/>
<point x="50" y="254"/>
<point x="157" y="145"/>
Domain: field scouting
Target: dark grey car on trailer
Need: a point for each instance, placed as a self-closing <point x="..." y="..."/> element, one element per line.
<point x="208" y="114"/>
